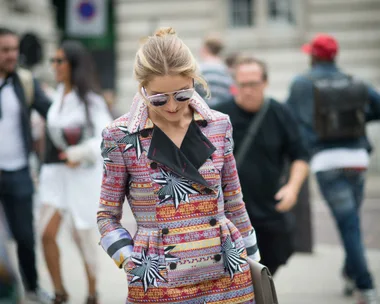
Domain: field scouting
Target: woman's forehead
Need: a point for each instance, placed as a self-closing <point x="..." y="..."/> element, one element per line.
<point x="168" y="83"/>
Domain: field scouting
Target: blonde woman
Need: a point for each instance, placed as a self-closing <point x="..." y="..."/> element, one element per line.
<point x="171" y="157"/>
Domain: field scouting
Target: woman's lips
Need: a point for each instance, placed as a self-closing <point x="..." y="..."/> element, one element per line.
<point x="172" y="113"/>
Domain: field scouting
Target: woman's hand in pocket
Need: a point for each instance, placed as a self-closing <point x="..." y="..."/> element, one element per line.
<point x="128" y="264"/>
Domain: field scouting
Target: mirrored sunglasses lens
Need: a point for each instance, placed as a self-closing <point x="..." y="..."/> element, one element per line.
<point x="184" y="96"/>
<point x="158" y="101"/>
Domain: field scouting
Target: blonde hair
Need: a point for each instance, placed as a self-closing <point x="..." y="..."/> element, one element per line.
<point x="165" y="54"/>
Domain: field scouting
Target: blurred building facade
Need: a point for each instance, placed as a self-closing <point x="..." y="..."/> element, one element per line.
<point x="273" y="30"/>
<point x="35" y="17"/>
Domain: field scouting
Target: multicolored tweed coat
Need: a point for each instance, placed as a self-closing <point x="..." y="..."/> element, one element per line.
<point x="193" y="234"/>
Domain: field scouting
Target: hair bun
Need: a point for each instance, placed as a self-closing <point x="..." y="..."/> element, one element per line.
<point x="163" y="31"/>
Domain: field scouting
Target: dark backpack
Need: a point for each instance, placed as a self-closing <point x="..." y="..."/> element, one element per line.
<point x="339" y="107"/>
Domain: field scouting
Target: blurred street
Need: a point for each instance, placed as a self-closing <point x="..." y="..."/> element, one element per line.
<point x="307" y="279"/>
<point x="312" y="279"/>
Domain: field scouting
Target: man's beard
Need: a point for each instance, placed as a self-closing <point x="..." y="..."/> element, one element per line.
<point x="6" y="71"/>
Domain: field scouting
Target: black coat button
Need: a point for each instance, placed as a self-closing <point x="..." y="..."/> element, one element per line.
<point x="154" y="165"/>
<point x="144" y="133"/>
<point x="213" y="222"/>
<point x="161" y="196"/>
<point x="203" y="123"/>
<point x="173" y="266"/>
<point x="165" y="230"/>
<point x="208" y="191"/>
<point x="217" y="257"/>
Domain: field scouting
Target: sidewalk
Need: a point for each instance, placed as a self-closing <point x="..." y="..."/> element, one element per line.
<point x="315" y="279"/>
<point x="307" y="279"/>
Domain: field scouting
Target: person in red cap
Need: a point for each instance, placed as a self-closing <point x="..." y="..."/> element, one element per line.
<point x="322" y="48"/>
<point x="332" y="109"/>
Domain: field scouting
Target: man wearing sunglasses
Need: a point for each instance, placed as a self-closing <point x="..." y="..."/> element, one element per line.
<point x="276" y="140"/>
<point x="19" y="93"/>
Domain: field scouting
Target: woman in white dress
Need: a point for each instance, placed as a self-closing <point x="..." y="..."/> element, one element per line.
<point x="71" y="175"/>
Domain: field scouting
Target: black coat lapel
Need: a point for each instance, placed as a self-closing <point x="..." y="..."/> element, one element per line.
<point x="196" y="146"/>
<point x="195" y="150"/>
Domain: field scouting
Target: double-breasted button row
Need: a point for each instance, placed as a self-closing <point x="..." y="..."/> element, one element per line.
<point x="172" y="266"/>
<point x="217" y="257"/>
<point x="213" y="222"/>
<point x="203" y="123"/>
<point x="144" y="133"/>
<point x="208" y="191"/>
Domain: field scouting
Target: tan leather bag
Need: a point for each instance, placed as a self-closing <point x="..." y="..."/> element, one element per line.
<point x="264" y="289"/>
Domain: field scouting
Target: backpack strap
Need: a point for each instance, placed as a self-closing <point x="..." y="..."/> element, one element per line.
<point x="26" y="79"/>
<point x="251" y="133"/>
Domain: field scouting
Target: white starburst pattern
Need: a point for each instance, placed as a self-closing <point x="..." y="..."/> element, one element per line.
<point x="105" y="151"/>
<point x="230" y="147"/>
<point x="169" y="258"/>
<point x="232" y="257"/>
<point x="147" y="270"/>
<point x="131" y="141"/>
<point x="175" y="187"/>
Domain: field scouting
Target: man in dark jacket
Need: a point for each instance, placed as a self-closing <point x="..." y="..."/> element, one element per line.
<point x="17" y="96"/>
<point x="332" y="109"/>
<point x="267" y="195"/>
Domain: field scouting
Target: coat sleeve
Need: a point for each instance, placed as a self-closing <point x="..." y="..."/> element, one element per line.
<point x="115" y="240"/>
<point x="233" y="199"/>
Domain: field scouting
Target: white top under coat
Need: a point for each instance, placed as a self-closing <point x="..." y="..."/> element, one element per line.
<point x="69" y="111"/>
<point x="12" y="149"/>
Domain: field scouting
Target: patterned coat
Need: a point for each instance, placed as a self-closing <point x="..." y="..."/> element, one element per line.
<point x="193" y="233"/>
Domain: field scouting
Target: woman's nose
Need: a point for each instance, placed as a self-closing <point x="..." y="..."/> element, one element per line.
<point x="172" y="104"/>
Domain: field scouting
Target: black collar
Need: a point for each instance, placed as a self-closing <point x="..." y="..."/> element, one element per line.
<point x="186" y="161"/>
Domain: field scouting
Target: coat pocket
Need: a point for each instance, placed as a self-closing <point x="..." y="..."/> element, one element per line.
<point x="146" y="266"/>
<point x="193" y="255"/>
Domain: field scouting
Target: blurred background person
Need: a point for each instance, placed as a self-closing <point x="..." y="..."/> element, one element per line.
<point x="332" y="109"/>
<point x="214" y="71"/>
<point x="268" y="198"/>
<point x="231" y="64"/>
<point x="72" y="170"/>
<point x="19" y="93"/>
<point x="9" y="289"/>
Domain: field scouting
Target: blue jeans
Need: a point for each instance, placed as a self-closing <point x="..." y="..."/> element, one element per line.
<point x="343" y="192"/>
<point x="16" y="197"/>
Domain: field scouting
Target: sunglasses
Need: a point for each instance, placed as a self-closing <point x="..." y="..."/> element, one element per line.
<point x="57" y="60"/>
<point x="252" y="84"/>
<point x="159" y="100"/>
